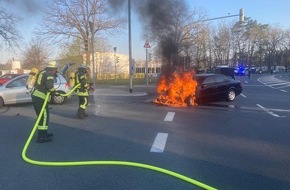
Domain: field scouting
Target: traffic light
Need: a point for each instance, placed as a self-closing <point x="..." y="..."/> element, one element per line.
<point x="149" y="57"/>
<point x="242" y="15"/>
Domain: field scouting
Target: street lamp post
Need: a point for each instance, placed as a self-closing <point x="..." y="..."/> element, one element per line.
<point x="93" y="52"/>
<point x="115" y="60"/>
<point x="130" y="48"/>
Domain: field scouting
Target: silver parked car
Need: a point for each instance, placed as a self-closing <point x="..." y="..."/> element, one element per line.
<point x="15" y="91"/>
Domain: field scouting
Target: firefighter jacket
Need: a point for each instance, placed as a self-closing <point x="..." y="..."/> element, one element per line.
<point x="83" y="89"/>
<point x="44" y="83"/>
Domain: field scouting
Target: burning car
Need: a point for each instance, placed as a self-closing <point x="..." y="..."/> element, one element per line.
<point x="213" y="87"/>
<point x="188" y="89"/>
<point x="177" y="89"/>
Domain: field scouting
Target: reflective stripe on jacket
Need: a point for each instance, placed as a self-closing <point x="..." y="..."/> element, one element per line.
<point x="83" y="89"/>
<point x="44" y="83"/>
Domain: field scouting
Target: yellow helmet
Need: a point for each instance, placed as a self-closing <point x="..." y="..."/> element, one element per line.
<point x="52" y="64"/>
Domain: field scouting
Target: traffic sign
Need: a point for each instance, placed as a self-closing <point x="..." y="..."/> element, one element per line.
<point x="147" y="45"/>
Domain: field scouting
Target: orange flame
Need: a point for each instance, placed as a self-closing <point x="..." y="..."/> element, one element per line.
<point x="176" y="89"/>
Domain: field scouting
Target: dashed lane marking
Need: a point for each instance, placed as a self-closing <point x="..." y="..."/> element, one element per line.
<point x="169" y="116"/>
<point x="244" y="95"/>
<point x="159" y="143"/>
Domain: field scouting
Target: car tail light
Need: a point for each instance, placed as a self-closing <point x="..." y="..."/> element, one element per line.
<point x="67" y="85"/>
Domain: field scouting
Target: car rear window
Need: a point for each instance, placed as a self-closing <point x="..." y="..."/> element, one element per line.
<point x="209" y="80"/>
<point x="221" y="79"/>
<point x="199" y="79"/>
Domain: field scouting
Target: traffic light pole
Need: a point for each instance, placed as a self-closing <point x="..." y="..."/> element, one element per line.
<point x="241" y="15"/>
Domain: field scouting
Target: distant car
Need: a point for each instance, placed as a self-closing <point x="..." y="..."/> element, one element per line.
<point x="228" y="71"/>
<point x="241" y="71"/>
<point x="212" y="87"/>
<point x="6" y="77"/>
<point x="259" y="71"/>
<point x="15" y="91"/>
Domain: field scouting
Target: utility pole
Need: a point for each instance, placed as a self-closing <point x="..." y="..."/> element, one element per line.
<point x="115" y="60"/>
<point x="146" y="46"/>
<point x="130" y="49"/>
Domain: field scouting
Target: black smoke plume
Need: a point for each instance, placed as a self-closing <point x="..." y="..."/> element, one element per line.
<point x="158" y="19"/>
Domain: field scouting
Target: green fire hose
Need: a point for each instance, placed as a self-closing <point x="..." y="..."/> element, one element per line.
<point x="86" y="163"/>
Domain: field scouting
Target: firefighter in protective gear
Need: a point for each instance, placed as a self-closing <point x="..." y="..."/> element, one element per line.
<point x="83" y="90"/>
<point x="44" y="84"/>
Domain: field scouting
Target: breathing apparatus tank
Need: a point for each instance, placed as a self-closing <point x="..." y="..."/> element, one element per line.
<point x="72" y="79"/>
<point x="31" y="78"/>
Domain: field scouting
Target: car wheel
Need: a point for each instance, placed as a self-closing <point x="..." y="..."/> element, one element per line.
<point x="231" y="95"/>
<point x="58" y="99"/>
<point x="1" y="102"/>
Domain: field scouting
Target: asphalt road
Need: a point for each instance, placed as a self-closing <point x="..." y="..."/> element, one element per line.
<point x="239" y="145"/>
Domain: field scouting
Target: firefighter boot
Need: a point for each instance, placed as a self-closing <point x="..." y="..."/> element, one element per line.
<point x="48" y="134"/>
<point x="86" y="115"/>
<point x="80" y="113"/>
<point x="42" y="136"/>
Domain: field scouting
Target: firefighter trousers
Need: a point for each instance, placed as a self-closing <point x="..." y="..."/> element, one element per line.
<point x="83" y="102"/>
<point x="44" y="120"/>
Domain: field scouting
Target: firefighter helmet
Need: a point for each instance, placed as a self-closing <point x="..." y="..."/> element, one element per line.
<point x="52" y="64"/>
<point x="84" y="66"/>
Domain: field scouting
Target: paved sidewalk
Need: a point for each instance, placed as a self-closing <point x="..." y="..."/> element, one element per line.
<point x="117" y="91"/>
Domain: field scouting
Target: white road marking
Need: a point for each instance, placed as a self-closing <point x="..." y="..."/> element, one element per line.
<point x="159" y="143"/>
<point x="283" y="86"/>
<point x="274" y="83"/>
<point x="243" y="95"/>
<point x="232" y="106"/>
<point x="280" y="110"/>
<point x="169" y="116"/>
<point x="269" y="111"/>
<point x="280" y="83"/>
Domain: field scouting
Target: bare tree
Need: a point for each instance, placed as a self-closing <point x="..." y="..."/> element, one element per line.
<point x="199" y="46"/>
<point x="222" y="46"/>
<point x="275" y="37"/>
<point x="8" y="33"/>
<point x="66" y="20"/>
<point x="36" y="54"/>
<point x="74" y="48"/>
<point x="171" y="25"/>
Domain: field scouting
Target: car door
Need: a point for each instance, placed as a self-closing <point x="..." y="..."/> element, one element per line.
<point x="208" y="88"/>
<point x="16" y="92"/>
<point x="222" y="86"/>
